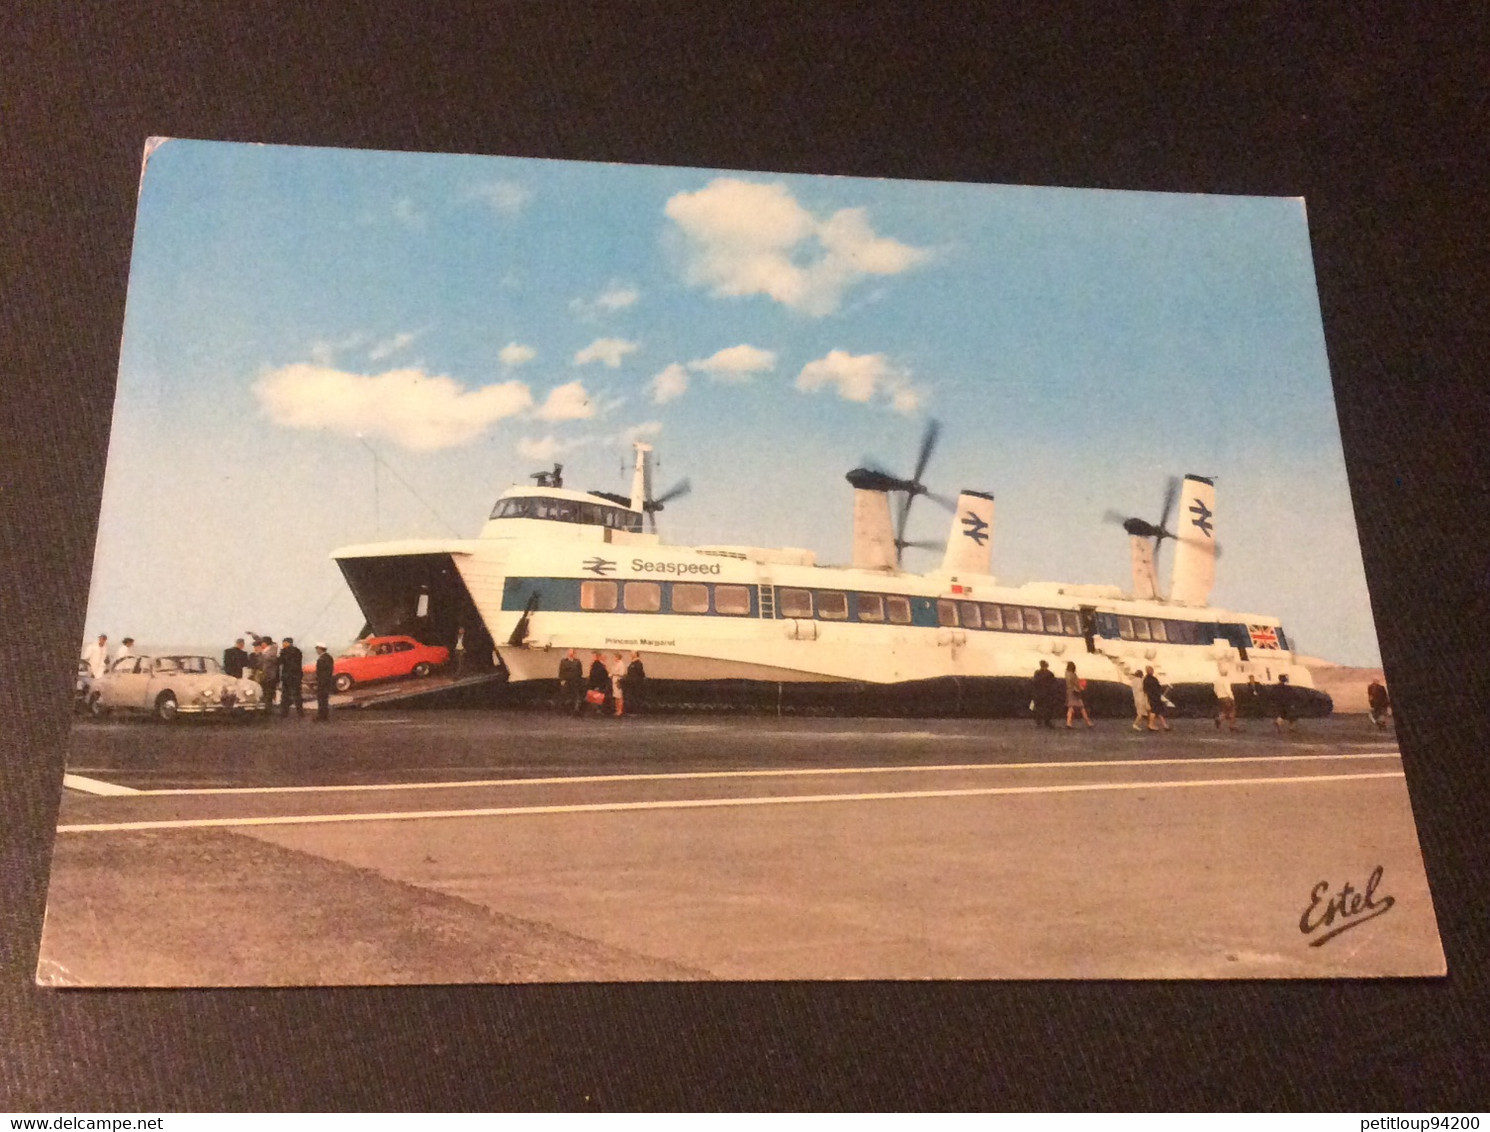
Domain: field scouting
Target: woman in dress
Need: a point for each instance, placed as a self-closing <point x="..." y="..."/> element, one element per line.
<point x="1075" y="702"/>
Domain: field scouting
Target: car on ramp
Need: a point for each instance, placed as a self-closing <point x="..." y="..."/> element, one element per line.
<point x="383" y="658"/>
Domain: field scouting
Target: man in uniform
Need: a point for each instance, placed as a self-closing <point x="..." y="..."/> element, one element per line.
<point x="325" y="679"/>
<point x="291" y="673"/>
<point x="572" y="682"/>
<point x="635" y="683"/>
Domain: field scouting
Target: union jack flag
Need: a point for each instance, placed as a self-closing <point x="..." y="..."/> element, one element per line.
<point x="1263" y="636"/>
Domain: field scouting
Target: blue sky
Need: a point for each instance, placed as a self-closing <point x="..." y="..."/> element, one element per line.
<point x="324" y="347"/>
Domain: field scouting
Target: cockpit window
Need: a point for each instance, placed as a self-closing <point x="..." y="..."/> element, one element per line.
<point x="567" y="511"/>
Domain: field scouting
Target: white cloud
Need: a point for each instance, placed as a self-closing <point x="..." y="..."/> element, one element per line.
<point x="670" y="384"/>
<point x="514" y="354"/>
<point x="324" y="352"/>
<point x="406" y="406"/>
<point x="610" y="351"/>
<point x="406" y="212"/>
<point x="507" y="198"/>
<point x="642" y="431"/>
<point x="736" y="363"/>
<point x="546" y="448"/>
<point x="861" y="378"/>
<point x="747" y="238"/>
<point x="389" y="346"/>
<point x="617" y="297"/>
<point x="567" y="402"/>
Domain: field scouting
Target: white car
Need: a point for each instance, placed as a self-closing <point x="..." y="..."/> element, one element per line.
<point x="169" y="685"/>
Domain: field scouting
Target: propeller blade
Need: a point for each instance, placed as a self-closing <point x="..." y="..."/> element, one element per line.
<point x="905" y="511"/>
<point x="925" y="544"/>
<point x="945" y="502"/>
<point x="1111" y="516"/>
<point x="677" y="491"/>
<point x="928" y="445"/>
<point x="1171" y="492"/>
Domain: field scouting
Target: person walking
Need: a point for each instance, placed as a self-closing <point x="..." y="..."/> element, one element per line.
<point x="1140" y="700"/>
<point x="325" y="680"/>
<point x="1153" y="691"/>
<point x="1283" y="705"/>
<point x="1225" y="702"/>
<point x="1252" y="703"/>
<point x="572" y="683"/>
<point x="126" y="648"/>
<point x="1379" y="703"/>
<point x="291" y="676"/>
<point x="1044" y="691"/>
<point x="1075" y="701"/>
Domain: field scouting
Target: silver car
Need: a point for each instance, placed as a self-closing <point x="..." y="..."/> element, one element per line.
<point x="167" y="686"/>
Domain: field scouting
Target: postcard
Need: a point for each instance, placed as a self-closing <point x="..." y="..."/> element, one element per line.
<point x="514" y="570"/>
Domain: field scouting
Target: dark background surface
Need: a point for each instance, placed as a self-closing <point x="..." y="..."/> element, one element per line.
<point x="1379" y="121"/>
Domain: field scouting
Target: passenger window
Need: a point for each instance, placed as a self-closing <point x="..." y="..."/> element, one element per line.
<point x="1033" y="622"/>
<point x="1125" y="628"/>
<point x="971" y="617"/>
<point x="733" y="600"/>
<point x="643" y="597"/>
<point x="1013" y="618"/>
<point x="1141" y="628"/>
<point x="794" y="603"/>
<point x="1158" y="630"/>
<point x="690" y="597"/>
<point x="1072" y="622"/>
<point x="832" y="606"/>
<point x="870" y="607"/>
<point x="993" y="616"/>
<point x="899" y="609"/>
<point x="946" y="613"/>
<point x="1053" y="621"/>
<point x="598" y="597"/>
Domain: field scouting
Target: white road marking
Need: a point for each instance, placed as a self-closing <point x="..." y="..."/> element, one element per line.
<point x="702" y="803"/>
<point x="95" y="786"/>
<point x="707" y="774"/>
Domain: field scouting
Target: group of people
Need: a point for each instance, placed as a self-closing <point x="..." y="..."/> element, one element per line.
<point x="1151" y="703"/>
<point x="280" y="669"/>
<point x="99" y="659"/>
<point x="611" y="689"/>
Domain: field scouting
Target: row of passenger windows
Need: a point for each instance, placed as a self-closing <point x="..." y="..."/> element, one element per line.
<point x="893" y="609"/>
<point x="1009" y="618"/>
<point x="646" y="597"/>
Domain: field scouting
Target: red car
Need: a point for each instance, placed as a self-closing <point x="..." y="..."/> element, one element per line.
<point x="383" y="658"/>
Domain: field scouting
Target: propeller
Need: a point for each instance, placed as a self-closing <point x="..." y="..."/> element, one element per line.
<point x="873" y="477"/>
<point x="1142" y="528"/>
<point x="652" y="506"/>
